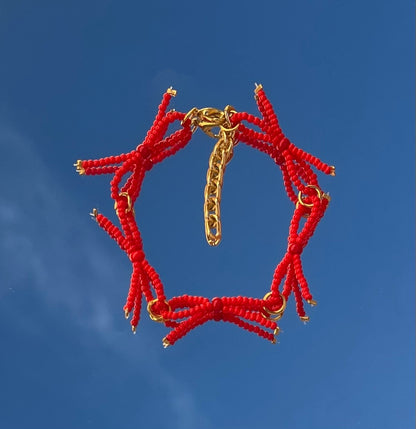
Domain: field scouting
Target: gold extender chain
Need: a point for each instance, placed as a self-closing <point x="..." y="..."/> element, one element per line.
<point x="207" y="119"/>
<point x="219" y="158"/>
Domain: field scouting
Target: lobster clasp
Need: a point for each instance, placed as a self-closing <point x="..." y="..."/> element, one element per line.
<point x="208" y="118"/>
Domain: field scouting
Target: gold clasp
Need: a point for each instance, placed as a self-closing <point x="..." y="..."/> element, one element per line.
<point x="208" y="118"/>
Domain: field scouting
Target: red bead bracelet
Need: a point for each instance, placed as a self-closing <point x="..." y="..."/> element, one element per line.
<point x="186" y="312"/>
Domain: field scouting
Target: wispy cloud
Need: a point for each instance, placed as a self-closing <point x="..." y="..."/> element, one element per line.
<point x="39" y="235"/>
<point x="46" y="246"/>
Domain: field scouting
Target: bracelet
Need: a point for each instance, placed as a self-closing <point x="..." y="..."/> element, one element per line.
<point x="186" y="312"/>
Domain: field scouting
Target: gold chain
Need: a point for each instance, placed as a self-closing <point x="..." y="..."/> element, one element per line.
<point x="220" y="156"/>
<point x="207" y="119"/>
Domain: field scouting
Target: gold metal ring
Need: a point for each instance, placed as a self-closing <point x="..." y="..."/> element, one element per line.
<point x="129" y="205"/>
<point x="156" y="317"/>
<point x="191" y="116"/>
<point x="228" y="112"/>
<point x="275" y="314"/>
<point x="318" y="191"/>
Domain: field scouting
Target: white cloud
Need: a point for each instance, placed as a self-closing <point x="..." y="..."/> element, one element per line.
<point x="46" y="246"/>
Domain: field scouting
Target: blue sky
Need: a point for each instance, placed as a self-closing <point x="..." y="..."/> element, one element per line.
<point x="83" y="80"/>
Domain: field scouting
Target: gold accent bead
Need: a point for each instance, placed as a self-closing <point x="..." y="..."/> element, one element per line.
<point x="326" y="196"/>
<point x="304" y="318"/>
<point x="332" y="173"/>
<point x="171" y="91"/>
<point x="80" y="169"/>
<point x="258" y="88"/>
<point x="126" y="313"/>
<point x="165" y="343"/>
<point x="312" y="302"/>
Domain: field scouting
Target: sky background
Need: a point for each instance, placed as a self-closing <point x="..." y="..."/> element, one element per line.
<point x="81" y="80"/>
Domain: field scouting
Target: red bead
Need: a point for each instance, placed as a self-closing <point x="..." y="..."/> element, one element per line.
<point x="137" y="256"/>
<point x="217" y="304"/>
<point x="283" y="144"/>
<point x="144" y="150"/>
<point x="295" y="248"/>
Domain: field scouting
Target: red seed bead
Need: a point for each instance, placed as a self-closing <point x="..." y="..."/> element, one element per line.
<point x="295" y="248"/>
<point x="144" y="150"/>
<point x="137" y="256"/>
<point x="283" y="144"/>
